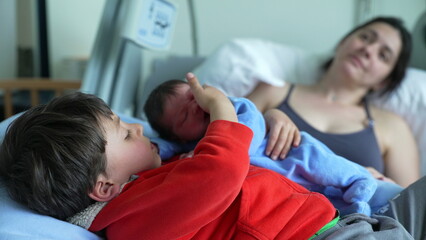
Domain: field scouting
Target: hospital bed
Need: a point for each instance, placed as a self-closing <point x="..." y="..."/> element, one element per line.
<point x="409" y="101"/>
<point x="35" y="86"/>
<point x="235" y="68"/>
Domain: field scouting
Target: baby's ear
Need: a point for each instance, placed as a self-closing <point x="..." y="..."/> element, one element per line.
<point x="104" y="191"/>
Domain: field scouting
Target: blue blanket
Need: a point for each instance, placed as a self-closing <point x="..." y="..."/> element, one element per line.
<point x="349" y="186"/>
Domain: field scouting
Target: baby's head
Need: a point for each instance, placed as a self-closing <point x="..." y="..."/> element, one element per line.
<point x="172" y="111"/>
<point x="55" y="157"/>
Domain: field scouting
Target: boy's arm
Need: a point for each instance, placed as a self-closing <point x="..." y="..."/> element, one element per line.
<point x="186" y="195"/>
<point x="182" y="197"/>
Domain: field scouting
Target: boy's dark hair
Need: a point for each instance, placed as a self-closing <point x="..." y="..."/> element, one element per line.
<point x="398" y="72"/>
<point x="52" y="155"/>
<point x="154" y="106"/>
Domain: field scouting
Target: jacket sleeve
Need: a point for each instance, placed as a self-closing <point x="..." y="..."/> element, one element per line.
<point x="185" y="195"/>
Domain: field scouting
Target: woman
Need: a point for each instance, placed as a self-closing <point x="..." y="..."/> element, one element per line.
<point x="371" y="58"/>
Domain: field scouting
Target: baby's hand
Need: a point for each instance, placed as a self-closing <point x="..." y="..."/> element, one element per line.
<point x="212" y="100"/>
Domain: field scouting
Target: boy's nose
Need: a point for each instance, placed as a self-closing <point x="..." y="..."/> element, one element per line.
<point x="139" y="129"/>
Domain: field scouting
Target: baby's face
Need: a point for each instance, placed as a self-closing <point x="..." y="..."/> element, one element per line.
<point x="183" y="115"/>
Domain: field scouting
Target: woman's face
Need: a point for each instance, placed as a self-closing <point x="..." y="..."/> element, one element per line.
<point x="368" y="55"/>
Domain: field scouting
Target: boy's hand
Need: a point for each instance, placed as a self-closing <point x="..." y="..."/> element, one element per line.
<point x="186" y="155"/>
<point x="212" y="100"/>
<point x="283" y="134"/>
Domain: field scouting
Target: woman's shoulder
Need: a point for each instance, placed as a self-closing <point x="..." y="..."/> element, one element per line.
<point x="386" y="117"/>
<point x="267" y="96"/>
<point x="389" y="125"/>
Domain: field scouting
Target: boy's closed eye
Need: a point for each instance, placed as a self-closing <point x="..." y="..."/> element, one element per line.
<point x="128" y="135"/>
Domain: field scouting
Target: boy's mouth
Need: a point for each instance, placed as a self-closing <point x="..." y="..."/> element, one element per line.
<point x="154" y="147"/>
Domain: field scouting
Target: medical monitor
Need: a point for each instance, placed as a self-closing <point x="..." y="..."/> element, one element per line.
<point x="126" y="26"/>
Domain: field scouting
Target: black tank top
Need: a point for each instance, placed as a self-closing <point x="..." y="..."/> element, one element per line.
<point x="360" y="147"/>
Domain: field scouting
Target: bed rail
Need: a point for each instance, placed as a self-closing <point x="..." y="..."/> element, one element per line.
<point x="34" y="86"/>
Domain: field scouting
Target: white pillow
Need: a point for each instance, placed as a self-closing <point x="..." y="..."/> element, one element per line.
<point x="240" y="64"/>
<point x="237" y="66"/>
<point x="19" y="223"/>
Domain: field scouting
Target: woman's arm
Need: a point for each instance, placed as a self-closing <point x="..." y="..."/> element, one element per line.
<point x="266" y="96"/>
<point x="400" y="150"/>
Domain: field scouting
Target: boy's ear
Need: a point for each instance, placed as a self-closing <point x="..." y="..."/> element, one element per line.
<point x="104" y="191"/>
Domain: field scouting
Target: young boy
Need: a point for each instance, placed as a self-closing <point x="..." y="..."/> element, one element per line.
<point x="172" y="111"/>
<point x="60" y="157"/>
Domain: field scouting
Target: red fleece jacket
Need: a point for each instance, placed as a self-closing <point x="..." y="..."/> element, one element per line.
<point x="215" y="194"/>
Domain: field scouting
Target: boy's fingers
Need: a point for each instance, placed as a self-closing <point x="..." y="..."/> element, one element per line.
<point x="192" y="80"/>
<point x="194" y="84"/>
<point x="190" y="76"/>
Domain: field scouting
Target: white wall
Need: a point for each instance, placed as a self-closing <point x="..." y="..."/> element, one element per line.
<point x="311" y="24"/>
<point x="297" y="23"/>
<point x="72" y="26"/>
<point x="408" y="10"/>
<point x="26" y="32"/>
<point x="8" y="39"/>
